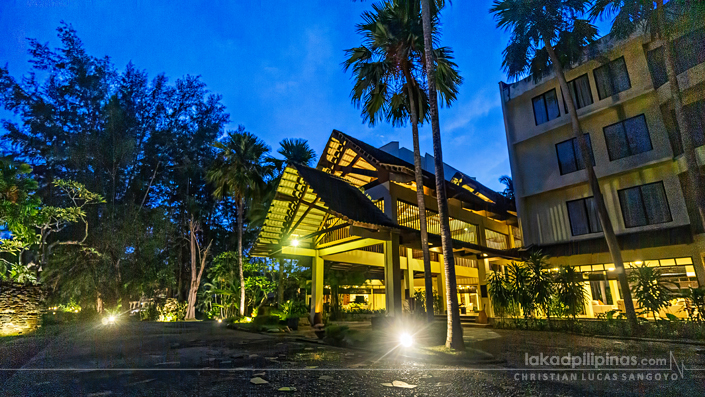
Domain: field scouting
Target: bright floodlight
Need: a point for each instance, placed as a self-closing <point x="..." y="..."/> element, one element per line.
<point x="220" y="321"/>
<point x="295" y="242"/>
<point x="406" y="340"/>
<point x="111" y="319"/>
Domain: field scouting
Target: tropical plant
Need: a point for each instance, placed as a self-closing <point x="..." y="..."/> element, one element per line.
<point x="695" y="303"/>
<point x="651" y="290"/>
<point x="240" y="170"/>
<point x="541" y="282"/>
<point x="389" y="78"/>
<point x="508" y="191"/>
<point x="172" y="310"/>
<point x="500" y="293"/>
<point x="548" y="35"/>
<point x="666" y="21"/>
<point x="435" y="72"/>
<point x="570" y="291"/>
<point x="294" y="309"/>
<point x="519" y="279"/>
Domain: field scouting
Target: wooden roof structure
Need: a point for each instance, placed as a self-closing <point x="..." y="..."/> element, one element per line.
<point x="310" y="206"/>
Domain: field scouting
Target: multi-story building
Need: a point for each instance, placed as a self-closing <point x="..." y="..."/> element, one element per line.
<point x="357" y="211"/>
<point x="625" y="107"/>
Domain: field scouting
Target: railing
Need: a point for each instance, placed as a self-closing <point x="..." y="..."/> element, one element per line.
<point x="408" y="215"/>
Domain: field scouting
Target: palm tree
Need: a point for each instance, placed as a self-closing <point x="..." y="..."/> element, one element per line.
<point x="240" y="170"/>
<point x="389" y="75"/>
<point x="435" y="73"/>
<point x="555" y="23"/>
<point x="294" y="151"/>
<point x="631" y="15"/>
<point x="508" y="192"/>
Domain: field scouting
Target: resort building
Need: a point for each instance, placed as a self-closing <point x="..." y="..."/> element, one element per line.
<point x="357" y="212"/>
<point x="625" y="107"/>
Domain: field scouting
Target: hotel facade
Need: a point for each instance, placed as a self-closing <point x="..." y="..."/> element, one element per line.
<point x="625" y="106"/>
<point x="357" y="212"/>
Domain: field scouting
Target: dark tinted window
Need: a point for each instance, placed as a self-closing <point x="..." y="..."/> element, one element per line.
<point x="583" y="216"/>
<point x="644" y="205"/>
<point x="545" y="107"/>
<point x="627" y="138"/>
<point x="612" y="78"/>
<point x="580" y="91"/>
<point x="569" y="158"/>
<point x="689" y="51"/>
<point x="695" y="112"/>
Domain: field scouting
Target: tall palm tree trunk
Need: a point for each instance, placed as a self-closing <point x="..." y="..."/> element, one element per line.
<point x="454" y="337"/>
<point x="694" y="177"/>
<point x="240" y="226"/>
<point x="423" y="226"/>
<point x="607" y="228"/>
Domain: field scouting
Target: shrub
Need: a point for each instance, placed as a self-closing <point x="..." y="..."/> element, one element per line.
<point x="337" y="335"/>
<point x="650" y="289"/>
<point x="172" y="310"/>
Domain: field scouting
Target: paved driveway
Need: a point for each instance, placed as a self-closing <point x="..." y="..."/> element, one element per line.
<point x="204" y="359"/>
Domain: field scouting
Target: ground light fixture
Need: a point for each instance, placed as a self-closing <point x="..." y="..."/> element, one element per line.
<point x="406" y="340"/>
<point x="110" y="320"/>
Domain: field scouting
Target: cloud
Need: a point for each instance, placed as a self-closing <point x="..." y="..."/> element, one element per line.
<point x="464" y="114"/>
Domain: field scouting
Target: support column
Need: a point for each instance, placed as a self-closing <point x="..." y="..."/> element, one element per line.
<point x="698" y="261"/>
<point x="409" y="276"/>
<point x="316" y="314"/>
<point x="441" y="284"/>
<point x="614" y="291"/>
<point x="392" y="276"/>
<point x="483" y="268"/>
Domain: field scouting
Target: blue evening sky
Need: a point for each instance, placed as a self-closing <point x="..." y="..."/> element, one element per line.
<point x="277" y="64"/>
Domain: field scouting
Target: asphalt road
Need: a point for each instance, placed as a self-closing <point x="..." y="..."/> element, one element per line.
<point x="205" y="359"/>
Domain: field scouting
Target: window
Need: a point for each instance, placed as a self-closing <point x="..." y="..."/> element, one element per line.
<point x="580" y="91"/>
<point x="689" y="51"/>
<point x="569" y="158"/>
<point x="495" y="240"/>
<point x="695" y="112"/>
<point x="627" y="138"/>
<point x="612" y="78"/>
<point x="546" y="107"/>
<point x="644" y="205"/>
<point x="583" y="216"/>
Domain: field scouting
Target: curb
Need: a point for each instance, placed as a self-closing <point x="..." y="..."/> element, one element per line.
<point x="678" y="342"/>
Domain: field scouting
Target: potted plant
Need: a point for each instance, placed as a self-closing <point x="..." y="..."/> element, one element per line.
<point x="293" y="311"/>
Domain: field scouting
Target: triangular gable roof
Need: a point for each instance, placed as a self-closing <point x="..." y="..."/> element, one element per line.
<point x="309" y="202"/>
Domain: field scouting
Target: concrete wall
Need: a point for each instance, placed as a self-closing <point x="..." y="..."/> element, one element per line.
<point x="542" y="192"/>
<point x="21" y="307"/>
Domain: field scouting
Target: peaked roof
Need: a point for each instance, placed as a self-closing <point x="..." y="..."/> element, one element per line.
<point x="310" y="205"/>
<point x="343" y="198"/>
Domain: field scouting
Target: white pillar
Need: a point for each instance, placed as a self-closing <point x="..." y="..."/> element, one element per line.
<point x="316" y="287"/>
<point x="409" y="275"/>
<point x="392" y="276"/>
<point x="483" y="268"/>
<point x="588" y="300"/>
<point x="441" y="284"/>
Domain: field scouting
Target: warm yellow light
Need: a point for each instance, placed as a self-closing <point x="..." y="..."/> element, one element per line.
<point x="638" y="263"/>
<point x="220" y="321"/>
<point x="611" y="269"/>
<point x="406" y="340"/>
<point x="295" y="242"/>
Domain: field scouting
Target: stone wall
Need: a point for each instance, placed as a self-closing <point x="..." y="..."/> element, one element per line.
<point x="21" y="307"/>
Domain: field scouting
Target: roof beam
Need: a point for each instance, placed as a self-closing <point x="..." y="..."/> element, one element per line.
<point x="349" y="246"/>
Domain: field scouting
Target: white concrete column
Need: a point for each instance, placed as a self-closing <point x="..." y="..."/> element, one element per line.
<point x="441" y="284"/>
<point x="316" y="287"/>
<point x="392" y="276"/>
<point x="483" y="268"/>
<point x="699" y="268"/>
<point x="614" y="291"/>
<point x="409" y="275"/>
<point x="588" y="300"/>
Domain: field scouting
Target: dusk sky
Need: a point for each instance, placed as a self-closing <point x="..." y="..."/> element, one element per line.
<point x="277" y="64"/>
